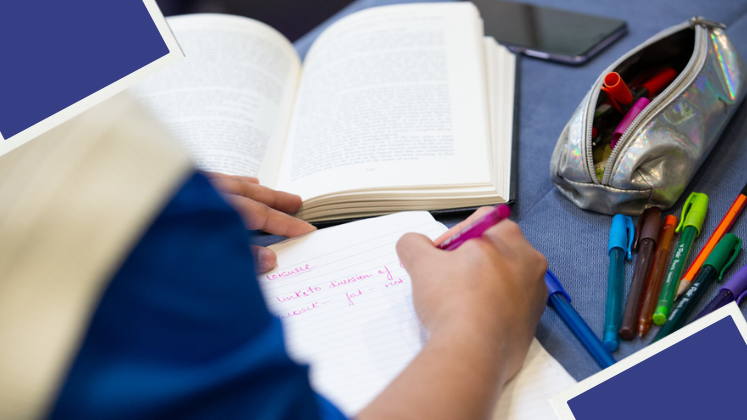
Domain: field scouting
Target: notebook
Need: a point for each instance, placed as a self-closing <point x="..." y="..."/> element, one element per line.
<point x="346" y="307"/>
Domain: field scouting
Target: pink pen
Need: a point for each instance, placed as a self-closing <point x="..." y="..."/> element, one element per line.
<point x="476" y="229"/>
<point x="628" y="119"/>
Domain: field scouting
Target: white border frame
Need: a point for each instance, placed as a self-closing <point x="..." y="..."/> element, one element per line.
<point x="560" y="401"/>
<point x="174" y="54"/>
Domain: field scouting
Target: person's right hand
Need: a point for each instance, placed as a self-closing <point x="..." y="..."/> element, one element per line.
<point x="490" y="287"/>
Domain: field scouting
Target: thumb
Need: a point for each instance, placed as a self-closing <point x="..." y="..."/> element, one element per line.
<point x="413" y="249"/>
<point x="265" y="258"/>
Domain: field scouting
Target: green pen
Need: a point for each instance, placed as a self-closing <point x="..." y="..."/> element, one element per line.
<point x="715" y="266"/>
<point x="693" y="215"/>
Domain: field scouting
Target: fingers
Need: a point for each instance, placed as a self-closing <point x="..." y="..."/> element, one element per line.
<point x="279" y="200"/>
<point x="265" y="258"/>
<point x="212" y="175"/>
<point x="259" y="216"/>
<point x="482" y="211"/>
<point x="414" y="249"/>
<point x="506" y="236"/>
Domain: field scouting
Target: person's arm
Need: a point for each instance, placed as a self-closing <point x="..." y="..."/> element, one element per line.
<point x="261" y="208"/>
<point x="481" y="305"/>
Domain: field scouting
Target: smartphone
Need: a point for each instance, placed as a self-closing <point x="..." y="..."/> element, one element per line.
<point x="551" y="34"/>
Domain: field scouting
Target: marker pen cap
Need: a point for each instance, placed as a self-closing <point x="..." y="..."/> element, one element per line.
<point x="617" y="88"/>
<point x="737" y="285"/>
<point x="622" y="234"/>
<point x="694" y="211"/>
<point x="724" y="254"/>
<point x="649" y="226"/>
<point x="628" y="119"/>
<point x="660" y="80"/>
<point x="553" y="286"/>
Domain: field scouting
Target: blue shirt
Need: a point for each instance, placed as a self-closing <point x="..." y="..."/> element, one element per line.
<point x="182" y="330"/>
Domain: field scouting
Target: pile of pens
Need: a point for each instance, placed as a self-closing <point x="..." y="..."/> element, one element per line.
<point x="669" y="300"/>
<point x="618" y="106"/>
<point x="653" y="298"/>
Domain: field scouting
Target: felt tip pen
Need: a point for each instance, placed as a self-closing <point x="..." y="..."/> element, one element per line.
<point x="647" y="235"/>
<point x="622" y="234"/>
<point x="656" y="83"/>
<point x="718" y="262"/>
<point x="558" y="298"/>
<point x="724" y="226"/>
<point x="617" y="89"/>
<point x="733" y="290"/>
<point x="477" y="228"/>
<point x="628" y="119"/>
<point x="693" y="215"/>
<point x="651" y="299"/>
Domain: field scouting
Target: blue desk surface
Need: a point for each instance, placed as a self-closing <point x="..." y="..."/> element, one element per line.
<point x="574" y="240"/>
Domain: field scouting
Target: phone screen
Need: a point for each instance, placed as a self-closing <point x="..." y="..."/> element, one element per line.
<point x="547" y="30"/>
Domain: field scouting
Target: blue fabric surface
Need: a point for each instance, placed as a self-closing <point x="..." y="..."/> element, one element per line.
<point x="574" y="240"/>
<point x="182" y="331"/>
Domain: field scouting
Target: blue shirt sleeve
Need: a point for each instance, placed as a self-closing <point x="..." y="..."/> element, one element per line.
<point x="182" y="331"/>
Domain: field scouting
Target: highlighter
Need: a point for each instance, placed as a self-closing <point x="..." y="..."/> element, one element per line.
<point x="628" y="119"/>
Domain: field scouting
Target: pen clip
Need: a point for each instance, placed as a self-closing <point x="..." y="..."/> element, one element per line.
<point x="685" y="209"/>
<point x="741" y="297"/>
<point x="641" y="221"/>
<point x="630" y="229"/>
<point x="734" y="253"/>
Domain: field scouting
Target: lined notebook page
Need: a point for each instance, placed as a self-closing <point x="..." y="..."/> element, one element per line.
<point x="346" y="307"/>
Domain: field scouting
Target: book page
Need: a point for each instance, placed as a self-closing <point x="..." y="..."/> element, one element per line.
<point x="346" y="307"/>
<point x="500" y="68"/>
<point x="229" y="100"/>
<point x="389" y="97"/>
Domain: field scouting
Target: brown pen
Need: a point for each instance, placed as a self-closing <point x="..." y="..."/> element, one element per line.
<point x="647" y="234"/>
<point x="666" y="236"/>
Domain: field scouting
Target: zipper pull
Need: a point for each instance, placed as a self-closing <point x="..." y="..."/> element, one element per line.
<point x="699" y="20"/>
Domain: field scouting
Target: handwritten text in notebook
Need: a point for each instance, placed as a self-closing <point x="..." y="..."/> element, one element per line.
<point x="345" y="302"/>
<point x="346" y="305"/>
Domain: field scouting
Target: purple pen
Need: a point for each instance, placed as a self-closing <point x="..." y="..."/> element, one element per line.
<point x="476" y="229"/>
<point x="628" y="119"/>
<point x="734" y="289"/>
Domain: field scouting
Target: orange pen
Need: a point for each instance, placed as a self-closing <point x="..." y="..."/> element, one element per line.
<point x="726" y="223"/>
<point x="666" y="237"/>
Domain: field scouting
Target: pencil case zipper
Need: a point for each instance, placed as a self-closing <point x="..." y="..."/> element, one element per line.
<point x="665" y="98"/>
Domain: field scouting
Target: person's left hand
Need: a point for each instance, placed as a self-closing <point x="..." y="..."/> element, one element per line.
<point x="261" y="208"/>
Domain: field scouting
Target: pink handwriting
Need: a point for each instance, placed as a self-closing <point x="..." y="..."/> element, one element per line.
<point x="303" y="310"/>
<point x="299" y="294"/>
<point x="288" y="273"/>
<point x="394" y="283"/>
<point x="351" y="295"/>
<point x="387" y="272"/>
<point x="351" y="279"/>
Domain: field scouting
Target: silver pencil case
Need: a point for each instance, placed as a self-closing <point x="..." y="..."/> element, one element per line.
<point x="663" y="147"/>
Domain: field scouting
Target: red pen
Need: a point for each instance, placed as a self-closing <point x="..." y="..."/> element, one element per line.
<point x="477" y="228"/>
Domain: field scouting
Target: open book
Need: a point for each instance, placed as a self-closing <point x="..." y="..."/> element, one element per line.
<point x="403" y="107"/>
<point x="346" y="307"/>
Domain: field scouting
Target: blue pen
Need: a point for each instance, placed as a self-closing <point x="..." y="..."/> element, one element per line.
<point x="622" y="233"/>
<point x="558" y="298"/>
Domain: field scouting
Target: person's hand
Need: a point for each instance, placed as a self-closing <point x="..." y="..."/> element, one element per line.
<point x="261" y="208"/>
<point x="490" y="287"/>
